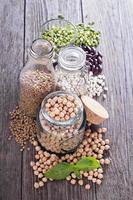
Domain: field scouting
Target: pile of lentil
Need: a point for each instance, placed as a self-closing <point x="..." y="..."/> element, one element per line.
<point x="34" y="86"/>
<point x="92" y="145"/>
<point x="22" y="127"/>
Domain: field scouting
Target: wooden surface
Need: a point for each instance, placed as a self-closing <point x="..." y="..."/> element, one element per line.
<point x="20" y="23"/>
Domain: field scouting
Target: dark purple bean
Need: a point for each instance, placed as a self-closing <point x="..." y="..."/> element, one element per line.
<point x="99" y="60"/>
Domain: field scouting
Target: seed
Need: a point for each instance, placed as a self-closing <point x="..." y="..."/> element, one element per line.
<point x="95" y="174"/>
<point x="73" y="175"/>
<point x="32" y="163"/>
<point x="98" y="181"/>
<point x="73" y="181"/>
<point x="35" y="143"/>
<point x="36" y="185"/>
<point x="104" y="130"/>
<point x="37" y="148"/>
<point x="107" y="147"/>
<point x="44" y="179"/>
<point x="68" y="178"/>
<point x="36" y="173"/>
<point x="34" y="167"/>
<point x="107" y="161"/>
<point x="90" y="177"/>
<point x="102" y="161"/>
<point x="40" y="175"/>
<point x="100" y="176"/>
<point x="87" y="186"/>
<point x="37" y="156"/>
<point x="80" y="182"/>
<point x="41" y="184"/>
<point x="100" y="170"/>
<point x="94" y="180"/>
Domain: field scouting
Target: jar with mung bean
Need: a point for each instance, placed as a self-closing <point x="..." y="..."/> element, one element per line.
<point x="61" y="122"/>
<point x="37" y="77"/>
<point x="70" y="70"/>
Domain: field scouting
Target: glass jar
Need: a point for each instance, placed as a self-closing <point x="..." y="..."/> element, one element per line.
<point x="60" y="136"/>
<point x="70" y="70"/>
<point x="37" y="77"/>
<point x="60" y="31"/>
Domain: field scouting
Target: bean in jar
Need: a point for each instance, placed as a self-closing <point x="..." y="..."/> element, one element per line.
<point x="37" y="77"/>
<point x="61" y="122"/>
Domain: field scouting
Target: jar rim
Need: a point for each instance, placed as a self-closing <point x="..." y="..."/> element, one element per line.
<point x="69" y="122"/>
<point x="33" y="52"/>
<point x="72" y="58"/>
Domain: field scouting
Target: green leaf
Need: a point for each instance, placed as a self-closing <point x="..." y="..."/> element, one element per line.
<point x="60" y="17"/>
<point x="59" y="171"/>
<point x="87" y="163"/>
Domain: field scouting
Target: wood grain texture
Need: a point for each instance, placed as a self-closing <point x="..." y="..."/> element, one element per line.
<point x="11" y="61"/>
<point x="114" y="20"/>
<point x="20" y="23"/>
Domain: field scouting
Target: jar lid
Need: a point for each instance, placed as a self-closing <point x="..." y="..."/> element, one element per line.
<point x="72" y="58"/>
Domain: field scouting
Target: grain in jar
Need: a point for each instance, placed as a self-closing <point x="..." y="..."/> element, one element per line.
<point x="37" y="77"/>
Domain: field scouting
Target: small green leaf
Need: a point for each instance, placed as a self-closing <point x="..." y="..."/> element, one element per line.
<point x="88" y="163"/>
<point x="60" y="17"/>
<point x="59" y="171"/>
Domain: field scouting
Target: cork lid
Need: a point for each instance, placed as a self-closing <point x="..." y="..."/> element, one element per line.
<point x="95" y="112"/>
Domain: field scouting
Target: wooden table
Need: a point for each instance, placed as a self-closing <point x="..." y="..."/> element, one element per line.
<point x="20" y="23"/>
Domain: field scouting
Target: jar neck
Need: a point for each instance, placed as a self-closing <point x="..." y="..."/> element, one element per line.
<point x="72" y="58"/>
<point x="41" y="50"/>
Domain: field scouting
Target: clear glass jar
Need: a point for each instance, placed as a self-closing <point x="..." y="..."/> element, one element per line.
<point x="70" y="70"/>
<point x="37" y="77"/>
<point x="60" y="136"/>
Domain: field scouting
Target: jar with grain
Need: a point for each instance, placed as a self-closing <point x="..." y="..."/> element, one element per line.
<point x="61" y="122"/>
<point x="37" y="77"/>
<point x="70" y="70"/>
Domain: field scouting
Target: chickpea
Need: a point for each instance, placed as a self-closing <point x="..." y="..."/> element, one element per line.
<point x="36" y="173"/>
<point x="41" y="155"/>
<point x="69" y="104"/>
<point x="102" y="161"/>
<point x="37" y="148"/>
<point x="104" y="130"/>
<point x="36" y="185"/>
<point x="60" y="100"/>
<point x="41" y="184"/>
<point x="100" y="170"/>
<point x="40" y="175"/>
<point x="39" y="169"/>
<point x="99" y="156"/>
<point x="40" y="152"/>
<point x="107" y="161"/>
<point x="68" y="178"/>
<point x="100" y="176"/>
<point x="32" y="163"/>
<point x="95" y="174"/>
<point x="34" y="167"/>
<point x="67" y="117"/>
<point x="103" y="143"/>
<point x="64" y="101"/>
<point x="102" y="148"/>
<point x="107" y="147"/>
<point x="35" y="143"/>
<point x="73" y="181"/>
<point x="85" y="142"/>
<point x="85" y="174"/>
<point x="107" y="141"/>
<point x="37" y="164"/>
<point x="87" y="186"/>
<point x="44" y="179"/>
<point x="90" y="177"/>
<point x="98" y="181"/>
<point x="94" y="180"/>
<point x="100" y="151"/>
<point x="72" y="114"/>
<point x="37" y="156"/>
<point x="47" y="105"/>
<point x="84" y="153"/>
<point x="70" y="110"/>
<point x="75" y="160"/>
<point x="73" y="175"/>
<point x="81" y="182"/>
<point x="91" y="173"/>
